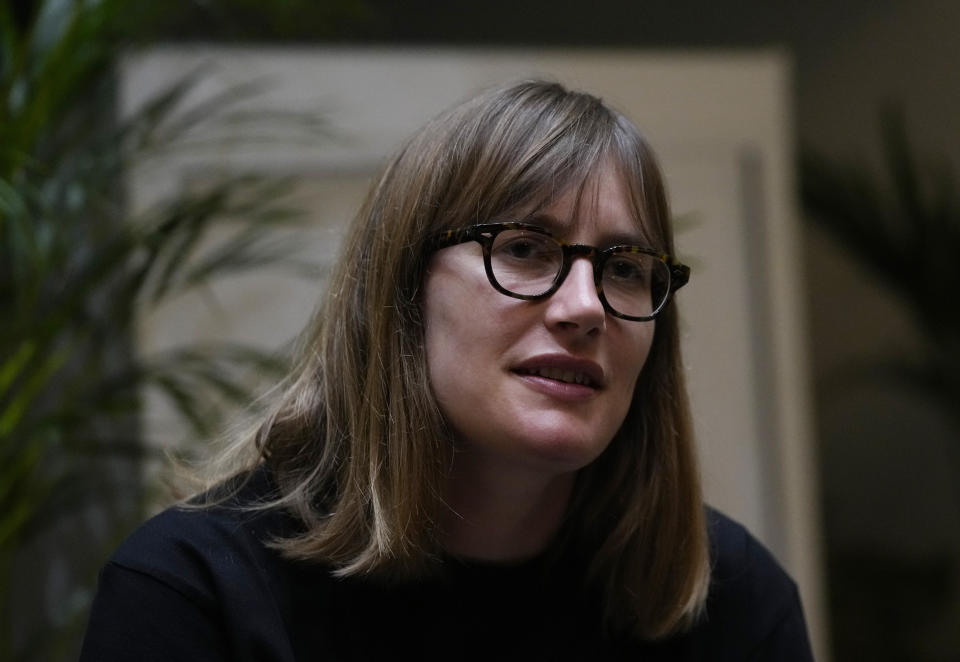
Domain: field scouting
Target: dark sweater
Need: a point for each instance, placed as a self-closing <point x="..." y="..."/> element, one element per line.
<point x="201" y="585"/>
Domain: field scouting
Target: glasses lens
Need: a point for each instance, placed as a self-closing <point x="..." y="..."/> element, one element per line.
<point x="525" y="262"/>
<point x="634" y="283"/>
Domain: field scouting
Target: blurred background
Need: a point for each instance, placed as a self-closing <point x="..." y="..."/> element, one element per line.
<point x="870" y="115"/>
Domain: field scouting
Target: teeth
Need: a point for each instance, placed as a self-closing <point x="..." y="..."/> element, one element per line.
<point x="561" y="375"/>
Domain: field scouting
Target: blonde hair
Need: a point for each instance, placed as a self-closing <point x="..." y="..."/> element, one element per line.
<point x="354" y="436"/>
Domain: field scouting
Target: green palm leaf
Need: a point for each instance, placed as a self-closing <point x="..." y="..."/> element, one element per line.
<point x="76" y="271"/>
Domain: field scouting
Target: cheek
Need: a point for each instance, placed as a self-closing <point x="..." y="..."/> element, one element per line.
<point x="641" y="343"/>
<point x="464" y="317"/>
<point x="636" y="357"/>
<point x="447" y="330"/>
<point x="438" y="334"/>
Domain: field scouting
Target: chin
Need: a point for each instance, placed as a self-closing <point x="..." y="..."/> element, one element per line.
<point x="561" y="452"/>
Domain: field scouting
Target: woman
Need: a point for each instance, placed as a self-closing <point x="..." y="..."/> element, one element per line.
<point x="485" y="449"/>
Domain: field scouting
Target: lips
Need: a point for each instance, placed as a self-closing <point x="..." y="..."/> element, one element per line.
<point x="563" y="368"/>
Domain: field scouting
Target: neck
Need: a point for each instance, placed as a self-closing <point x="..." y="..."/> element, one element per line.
<point x="499" y="512"/>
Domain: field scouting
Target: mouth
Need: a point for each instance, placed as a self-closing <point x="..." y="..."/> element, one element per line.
<point x="563" y="368"/>
<point x="560" y="375"/>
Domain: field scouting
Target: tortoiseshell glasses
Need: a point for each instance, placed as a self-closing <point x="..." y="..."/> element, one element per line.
<point x="527" y="262"/>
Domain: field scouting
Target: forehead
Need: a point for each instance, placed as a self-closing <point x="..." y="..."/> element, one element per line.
<point x="600" y="210"/>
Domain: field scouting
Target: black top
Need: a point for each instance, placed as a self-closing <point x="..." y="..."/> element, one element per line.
<point x="201" y="585"/>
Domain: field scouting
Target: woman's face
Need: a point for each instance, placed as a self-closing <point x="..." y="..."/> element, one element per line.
<point x="505" y="370"/>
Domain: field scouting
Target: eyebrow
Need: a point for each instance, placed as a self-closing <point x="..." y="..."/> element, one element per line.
<point x="560" y="229"/>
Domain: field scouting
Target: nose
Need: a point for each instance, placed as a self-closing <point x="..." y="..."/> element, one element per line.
<point x="576" y="304"/>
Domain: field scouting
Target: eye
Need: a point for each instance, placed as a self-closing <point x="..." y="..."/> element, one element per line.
<point x="522" y="248"/>
<point x="628" y="270"/>
<point x="525" y="246"/>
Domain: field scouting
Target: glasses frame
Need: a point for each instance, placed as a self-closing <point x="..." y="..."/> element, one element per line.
<point x="486" y="233"/>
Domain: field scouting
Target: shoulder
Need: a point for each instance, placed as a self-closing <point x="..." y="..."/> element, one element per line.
<point x="753" y="606"/>
<point x="740" y="561"/>
<point x="199" y="550"/>
<point x="195" y="584"/>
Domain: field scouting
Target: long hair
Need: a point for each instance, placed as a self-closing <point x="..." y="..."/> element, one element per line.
<point x="354" y="436"/>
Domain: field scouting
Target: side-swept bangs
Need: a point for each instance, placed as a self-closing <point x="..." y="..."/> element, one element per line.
<point x="513" y="150"/>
